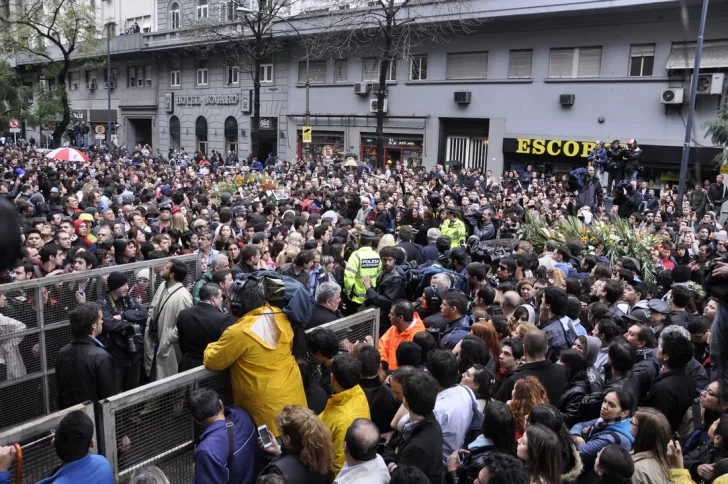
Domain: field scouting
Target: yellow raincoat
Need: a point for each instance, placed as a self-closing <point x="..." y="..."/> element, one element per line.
<point x="340" y="412"/>
<point x="263" y="370"/>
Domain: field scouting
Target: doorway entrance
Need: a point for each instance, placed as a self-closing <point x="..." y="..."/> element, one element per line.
<point x="140" y="132"/>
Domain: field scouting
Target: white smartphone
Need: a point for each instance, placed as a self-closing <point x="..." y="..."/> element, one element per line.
<point x="264" y="436"/>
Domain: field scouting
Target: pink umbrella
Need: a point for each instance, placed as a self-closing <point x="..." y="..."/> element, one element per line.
<point x="67" y="154"/>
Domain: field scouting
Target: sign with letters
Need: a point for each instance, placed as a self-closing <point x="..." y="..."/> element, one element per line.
<point x="208" y="100"/>
<point x="169" y="102"/>
<point x="246" y="101"/>
<point x="553" y="147"/>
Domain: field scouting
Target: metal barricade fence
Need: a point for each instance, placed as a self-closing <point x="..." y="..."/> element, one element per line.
<point x="34" y="327"/>
<point x="151" y="425"/>
<point x="39" y="458"/>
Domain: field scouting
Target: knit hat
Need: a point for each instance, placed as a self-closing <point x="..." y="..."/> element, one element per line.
<point x="116" y="280"/>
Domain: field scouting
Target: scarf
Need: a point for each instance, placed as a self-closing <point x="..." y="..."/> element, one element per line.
<point x="409" y="428"/>
<point x="644" y="353"/>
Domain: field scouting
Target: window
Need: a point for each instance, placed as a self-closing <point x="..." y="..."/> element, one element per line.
<point x="74" y="80"/>
<point x="519" y="64"/>
<point x="175" y="74"/>
<point x="148" y="76"/>
<point x="317" y="72"/>
<point x="139" y="24"/>
<point x="90" y="78"/>
<point x="227" y="10"/>
<point x="131" y="76"/>
<point x="340" y="70"/>
<point x="174" y="16"/>
<point x="202" y="9"/>
<point x="114" y="76"/>
<point x="233" y="75"/>
<point x="641" y="60"/>
<point x="576" y="62"/>
<point x="371" y="66"/>
<point x="266" y="71"/>
<point x="467" y="65"/>
<point x="202" y="71"/>
<point x="418" y="70"/>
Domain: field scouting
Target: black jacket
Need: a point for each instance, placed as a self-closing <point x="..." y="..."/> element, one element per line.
<point x="197" y="327"/>
<point x="322" y="315"/>
<point x="382" y="404"/>
<point x="570" y="402"/>
<point x="551" y="376"/>
<point x="412" y="251"/>
<point x="294" y="470"/>
<point x="672" y="394"/>
<point x="112" y="335"/>
<point x="645" y="370"/>
<point x="390" y="287"/>
<point x="423" y="449"/>
<point x="84" y="371"/>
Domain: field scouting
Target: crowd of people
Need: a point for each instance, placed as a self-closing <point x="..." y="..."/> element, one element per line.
<point x="492" y="363"/>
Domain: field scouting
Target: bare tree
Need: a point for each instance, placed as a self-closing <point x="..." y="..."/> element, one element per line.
<point x="49" y="33"/>
<point x="247" y="36"/>
<point x="389" y="30"/>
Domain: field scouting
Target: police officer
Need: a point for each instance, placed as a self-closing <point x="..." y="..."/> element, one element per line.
<point x="454" y="227"/>
<point x="122" y="339"/>
<point x="363" y="262"/>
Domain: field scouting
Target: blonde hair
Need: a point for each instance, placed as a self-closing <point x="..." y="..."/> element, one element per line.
<point x="386" y="241"/>
<point x="295" y="239"/>
<point x="524" y="328"/>
<point x="310" y="437"/>
<point x="179" y="222"/>
<point x="287" y="255"/>
<point x="558" y="277"/>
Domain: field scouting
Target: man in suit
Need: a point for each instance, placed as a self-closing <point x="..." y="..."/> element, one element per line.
<point x="200" y="325"/>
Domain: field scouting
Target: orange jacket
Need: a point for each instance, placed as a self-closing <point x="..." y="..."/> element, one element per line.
<point x="389" y="342"/>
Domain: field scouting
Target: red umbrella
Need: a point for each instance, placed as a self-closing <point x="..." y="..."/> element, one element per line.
<point x="67" y="154"/>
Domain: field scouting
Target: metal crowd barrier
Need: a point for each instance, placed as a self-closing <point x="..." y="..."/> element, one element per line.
<point x="151" y="425"/>
<point x="39" y="458"/>
<point x="34" y="327"/>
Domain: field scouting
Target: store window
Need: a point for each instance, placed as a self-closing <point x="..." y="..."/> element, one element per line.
<point x="324" y="144"/>
<point x="201" y="134"/>
<point x="405" y="149"/>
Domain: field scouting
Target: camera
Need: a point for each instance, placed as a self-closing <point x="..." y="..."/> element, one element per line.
<point x="131" y="336"/>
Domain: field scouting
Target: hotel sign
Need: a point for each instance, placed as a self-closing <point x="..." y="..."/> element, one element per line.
<point x="208" y="100"/>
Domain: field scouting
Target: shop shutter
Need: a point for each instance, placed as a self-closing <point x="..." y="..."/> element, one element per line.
<point x="590" y="62"/>
<point x="642" y="50"/>
<point x="519" y="65"/>
<point x="370" y="69"/>
<point x="467" y="65"/>
<point x="561" y="63"/>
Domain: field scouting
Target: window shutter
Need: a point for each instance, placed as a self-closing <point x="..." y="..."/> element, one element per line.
<point x="642" y="50"/>
<point x="561" y="63"/>
<point x="590" y="62"/>
<point x="370" y="69"/>
<point x="467" y="65"/>
<point x="519" y="65"/>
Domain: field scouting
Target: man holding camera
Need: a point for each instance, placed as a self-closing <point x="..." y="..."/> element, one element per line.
<point x="123" y="334"/>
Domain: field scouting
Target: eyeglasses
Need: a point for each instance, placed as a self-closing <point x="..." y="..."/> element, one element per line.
<point x="502" y="268"/>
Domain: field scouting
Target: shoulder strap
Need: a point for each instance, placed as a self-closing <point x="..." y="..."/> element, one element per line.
<point x="231" y="444"/>
<point x="164" y="303"/>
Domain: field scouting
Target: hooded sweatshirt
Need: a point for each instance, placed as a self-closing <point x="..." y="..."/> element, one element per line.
<point x="596" y="439"/>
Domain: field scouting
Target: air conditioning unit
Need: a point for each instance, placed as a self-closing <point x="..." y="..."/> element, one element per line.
<point x="567" y="99"/>
<point x="373" y="106"/>
<point x="711" y="84"/>
<point x="91" y="85"/>
<point x="463" y="97"/>
<point x="361" y="88"/>
<point x="672" y="95"/>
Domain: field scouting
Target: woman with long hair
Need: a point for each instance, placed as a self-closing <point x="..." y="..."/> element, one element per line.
<point x="179" y="222"/>
<point x="651" y="432"/>
<point x="614" y="465"/>
<point x="232" y="249"/>
<point x="387" y="240"/>
<point x="577" y="385"/>
<point x="540" y="449"/>
<point x="479" y="379"/>
<point x="473" y="350"/>
<point x="486" y="331"/>
<point x="552" y="418"/>
<point x="527" y="393"/>
<point x="307" y="455"/>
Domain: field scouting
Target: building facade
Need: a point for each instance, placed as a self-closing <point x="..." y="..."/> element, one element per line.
<point x="535" y="84"/>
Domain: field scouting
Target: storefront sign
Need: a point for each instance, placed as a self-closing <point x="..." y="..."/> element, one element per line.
<point x="553" y="147"/>
<point x="246" y="101"/>
<point x="209" y="100"/>
<point x="169" y="102"/>
<point x="78" y="115"/>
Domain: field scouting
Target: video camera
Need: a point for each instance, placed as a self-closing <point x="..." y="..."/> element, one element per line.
<point x="488" y="251"/>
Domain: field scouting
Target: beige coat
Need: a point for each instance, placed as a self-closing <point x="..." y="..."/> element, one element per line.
<point x="167" y="341"/>
<point x="9" y="350"/>
<point x="647" y="470"/>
